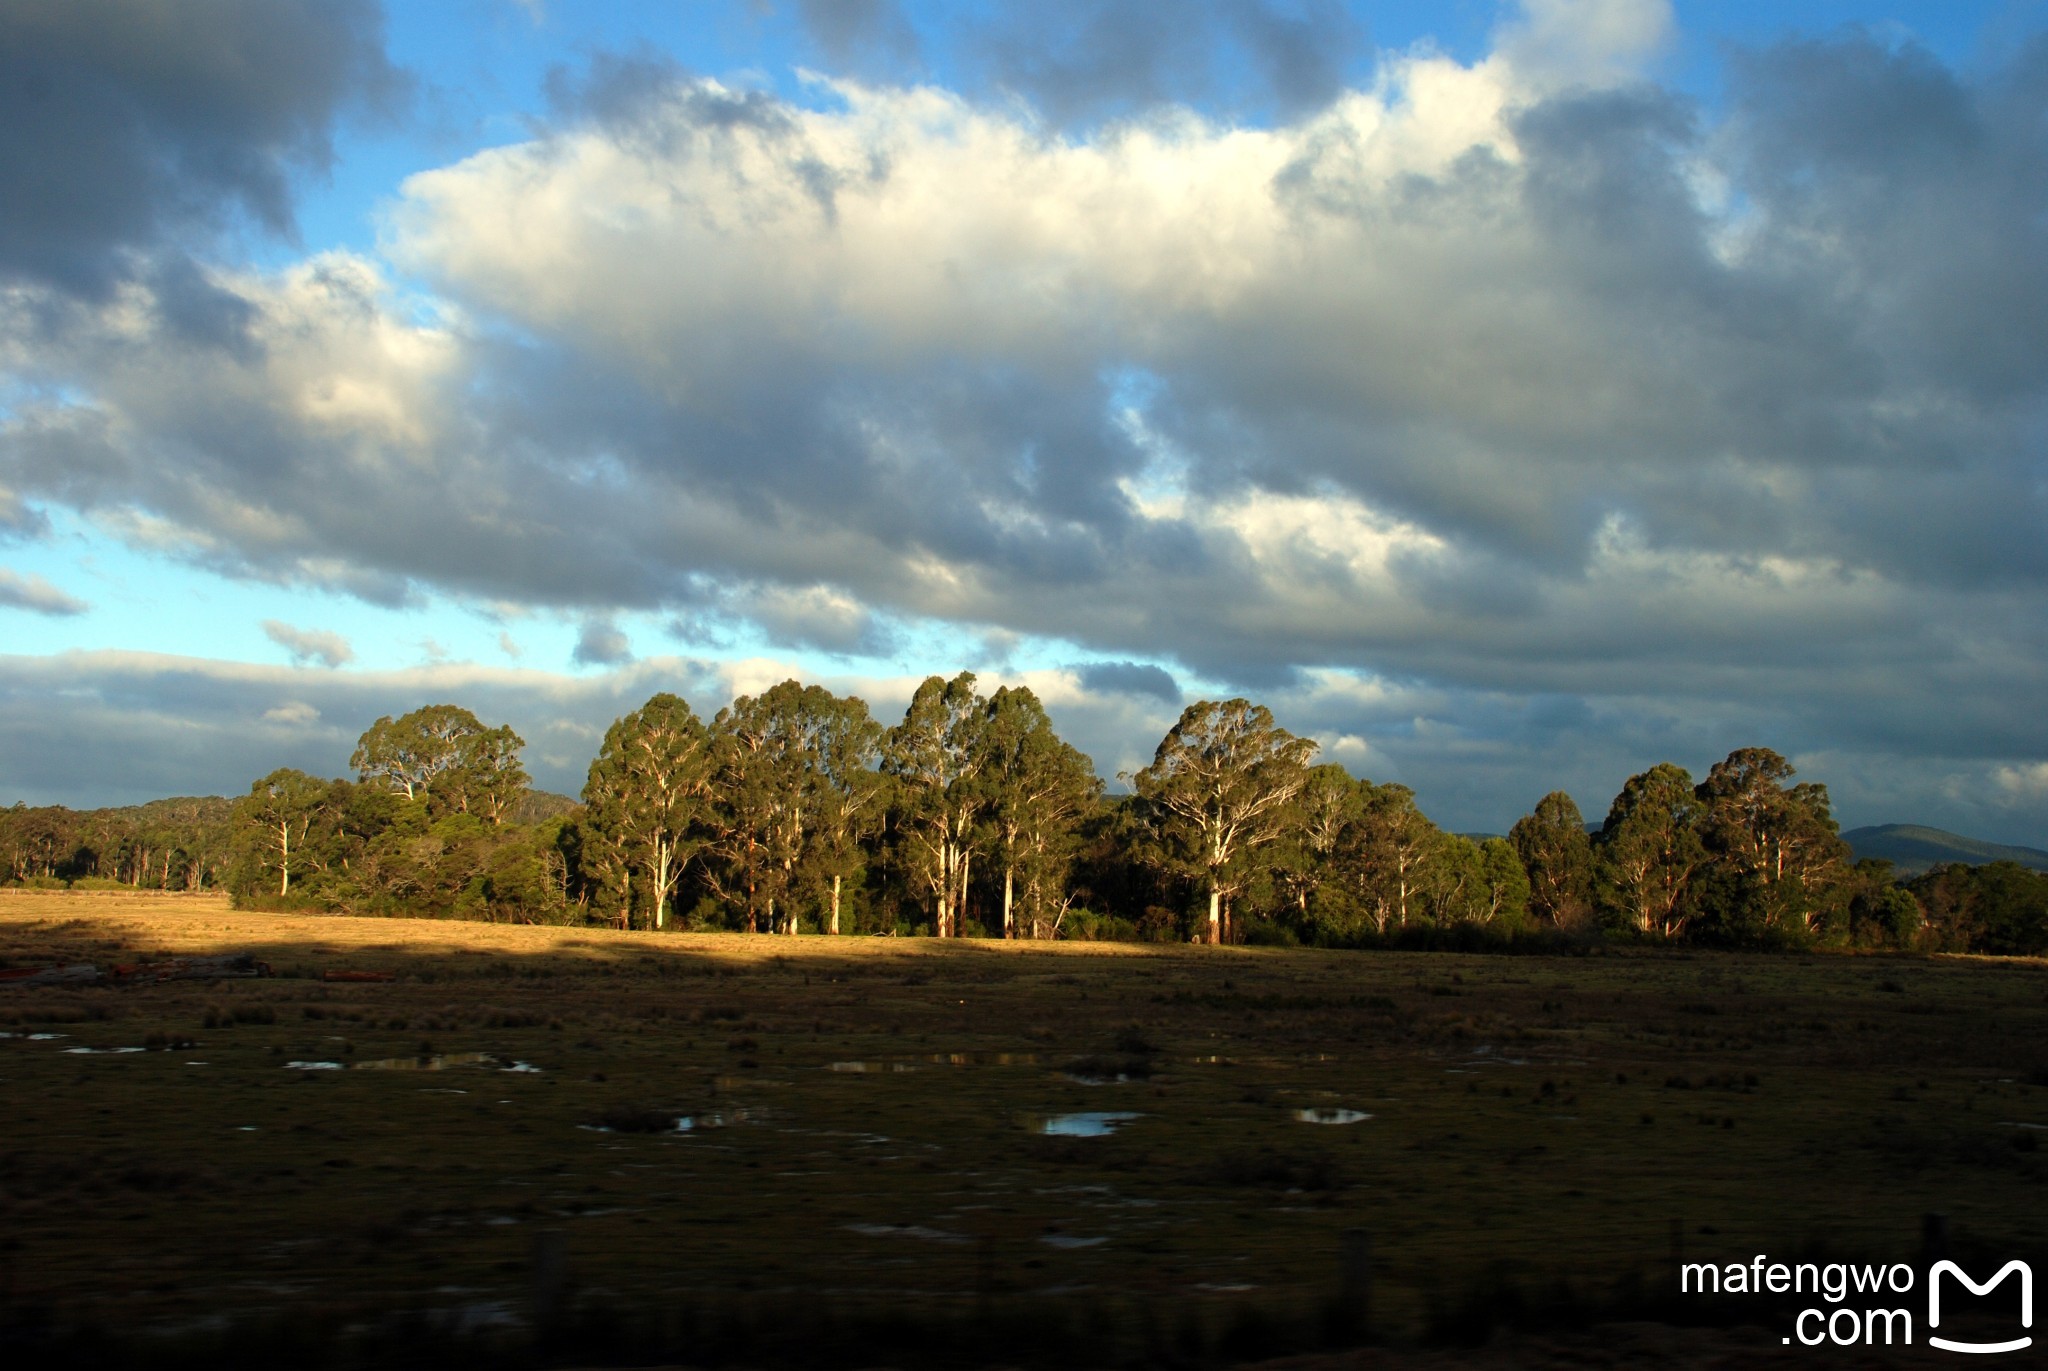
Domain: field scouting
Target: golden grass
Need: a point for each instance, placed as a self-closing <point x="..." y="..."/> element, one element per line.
<point x="1556" y="1113"/>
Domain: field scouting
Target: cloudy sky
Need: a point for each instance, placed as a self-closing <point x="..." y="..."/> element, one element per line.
<point x="1511" y="395"/>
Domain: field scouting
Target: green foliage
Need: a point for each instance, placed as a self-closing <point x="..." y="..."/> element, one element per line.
<point x="1558" y="856"/>
<point x="1219" y="795"/>
<point x="2001" y="908"/>
<point x="444" y="757"/>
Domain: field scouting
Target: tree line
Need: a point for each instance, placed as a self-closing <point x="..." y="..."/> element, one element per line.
<point x="796" y="811"/>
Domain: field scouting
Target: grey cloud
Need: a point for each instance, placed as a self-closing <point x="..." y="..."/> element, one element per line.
<point x="127" y="122"/>
<point x="1606" y="442"/>
<point x="1083" y="60"/>
<point x="37" y="596"/>
<point x="100" y="728"/>
<point x="600" y="643"/>
<point x="20" y="521"/>
<point x="1130" y="678"/>
<point x="861" y="37"/>
<point x="310" y="645"/>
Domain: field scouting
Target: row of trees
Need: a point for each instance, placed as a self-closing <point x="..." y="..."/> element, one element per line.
<point x="795" y="809"/>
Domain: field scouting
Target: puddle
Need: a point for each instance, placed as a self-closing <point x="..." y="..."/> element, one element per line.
<point x="445" y="1061"/>
<point x="101" y="1051"/>
<point x="1090" y="1124"/>
<point x="1331" y="1116"/>
<point x="686" y="1123"/>
<point x="869" y="1068"/>
<point x="1216" y="1288"/>
<point x="2011" y="1123"/>
<point x="904" y="1230"/>
<point x="314" y="1066"/>
<point x="1068" y="1242"/>
<point x="984" y="1058"/>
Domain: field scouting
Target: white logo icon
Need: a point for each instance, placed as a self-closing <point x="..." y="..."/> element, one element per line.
<point x="2026" y="1304"/>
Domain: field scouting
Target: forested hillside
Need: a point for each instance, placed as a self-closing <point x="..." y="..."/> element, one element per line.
<point x="795" y="811"/>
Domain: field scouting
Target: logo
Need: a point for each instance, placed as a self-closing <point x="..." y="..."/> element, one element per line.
<point x="2026" y="1304"/>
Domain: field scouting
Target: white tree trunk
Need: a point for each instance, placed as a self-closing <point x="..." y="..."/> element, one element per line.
<point x="835" y="906"/>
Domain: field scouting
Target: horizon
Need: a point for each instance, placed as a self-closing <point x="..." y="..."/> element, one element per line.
<point x="1510" y="397"/>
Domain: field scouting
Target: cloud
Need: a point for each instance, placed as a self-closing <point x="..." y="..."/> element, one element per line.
<point x="600" y="643"/>
<point x="20" y="521"/>
<point x="37" y="595"/>
<point x="1522" y="386"/>
<point x="1129" y="678"/>
<point x="126" y="124"/>
<point x="309" y="645"/>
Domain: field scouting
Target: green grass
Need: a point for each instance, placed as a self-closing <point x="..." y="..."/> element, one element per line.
<point x="1542" y="1118"/>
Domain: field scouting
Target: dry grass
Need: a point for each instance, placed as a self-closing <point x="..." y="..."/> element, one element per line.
<point x="1554" y="1113"/>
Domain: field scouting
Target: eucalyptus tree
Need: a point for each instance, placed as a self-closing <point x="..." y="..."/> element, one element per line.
<point x="795" y="778"/>
<point x="276" y="820"/>
<point x="1386" y="851"/>
<point x="445" y="756"/>
<point x="647" y="789"/>
<point x="1558" y="855"/>
<point x="1650" y="848"/>
<point x="936" y="756"/>
<point x="1780" y="861"/>
<point x="1220" y="790"/>
<point x="1309" y="860"/>
<point x="1036" y="787"/>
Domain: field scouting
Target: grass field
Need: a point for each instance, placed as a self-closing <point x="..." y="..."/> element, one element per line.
<point x="868" y="1115"/>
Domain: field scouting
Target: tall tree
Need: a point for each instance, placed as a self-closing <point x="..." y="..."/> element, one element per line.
<point x="1036" y="787"/>
<point x="277" y="817"/>
<point x="936" y="756"/>
<point x="644" y="794"/>
<point x="1220" y="789"/>
<point x="795" y="775"/>
<point x="444" y="756"/>
<point x="1387" y="851"/>
<point x="1650" y="849"/>
<point x="1781" y="861"/>
<point x="1558" y="855"/>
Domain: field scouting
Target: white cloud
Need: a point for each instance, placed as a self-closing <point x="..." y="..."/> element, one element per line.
<point x="309" y="645"/>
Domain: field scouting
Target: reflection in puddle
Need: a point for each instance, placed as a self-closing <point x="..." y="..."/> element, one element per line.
<point x="1091" y="1124"/>
<point x="314" y="1066"/>
<point x="868" y="1068"/>
<point x="1330" y="1116"/>
<point x="984" y="1058"/>
<point x="1068" y="1241"/>
<point x="102" y="1051"/>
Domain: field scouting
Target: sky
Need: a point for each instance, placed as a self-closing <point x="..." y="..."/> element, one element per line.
<point x="1511" y="396"/>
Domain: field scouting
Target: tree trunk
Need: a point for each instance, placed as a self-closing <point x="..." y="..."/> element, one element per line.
<point x="960" y="907"/>
<point x="835" y="906"/>
<point x="1215" y="916"/>
<point x="1009" y="917"/>
<point x="284" y="857"/>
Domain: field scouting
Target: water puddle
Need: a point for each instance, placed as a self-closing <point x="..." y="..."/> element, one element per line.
<point x="102" y="1051"/>
<point x="447" y="1060"/>
<point x="869" y="1068"/>
<point x="1069" y="1242"/>
<point x="904" y="1230"/>
<point x="984" y="1058"/>
<point x="1097" y="1123"/>
<point x="1331" y="1116"/>
<point x="314" y="1066"/>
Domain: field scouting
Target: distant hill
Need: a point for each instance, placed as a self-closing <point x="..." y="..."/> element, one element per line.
<point x="1913" y="849"/>
<point x="538" y="806"/>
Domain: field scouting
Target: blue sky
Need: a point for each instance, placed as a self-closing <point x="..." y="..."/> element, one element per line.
<point x="1513" y="396"/>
